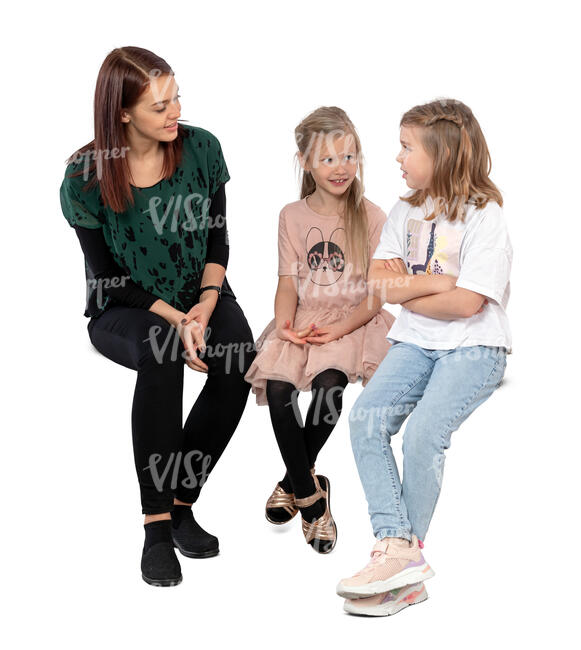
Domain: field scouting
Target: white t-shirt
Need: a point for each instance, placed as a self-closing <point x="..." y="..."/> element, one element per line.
<point x="477" y="251"/>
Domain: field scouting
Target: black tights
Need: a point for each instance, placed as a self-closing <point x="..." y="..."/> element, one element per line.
<point x="299" y="445"/>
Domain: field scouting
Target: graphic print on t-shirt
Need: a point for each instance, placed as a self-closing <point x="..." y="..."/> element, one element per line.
<point x="325" y="257"/>
<point x="432" y="248"/>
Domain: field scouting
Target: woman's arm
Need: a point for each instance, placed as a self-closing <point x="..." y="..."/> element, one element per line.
<point x="110" y="278"/>
<point x="218" y="248"/>
<point x="172" y="315"/>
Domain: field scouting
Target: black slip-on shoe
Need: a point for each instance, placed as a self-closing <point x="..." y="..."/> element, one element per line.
<point x="160" y="566"/>
<point x="189" y="537"/>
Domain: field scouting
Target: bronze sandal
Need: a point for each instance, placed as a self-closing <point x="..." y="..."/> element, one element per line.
<point x="285" y="500"/>
<point x="321" y="533"/>
<point x="281" y="499"/>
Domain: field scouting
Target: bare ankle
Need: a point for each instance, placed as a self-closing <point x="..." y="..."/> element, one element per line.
<point x="177" y="502"/>
<point x="159" y="517"/>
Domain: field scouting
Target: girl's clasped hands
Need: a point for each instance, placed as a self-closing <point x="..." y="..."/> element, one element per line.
<point x="310" y="334"/>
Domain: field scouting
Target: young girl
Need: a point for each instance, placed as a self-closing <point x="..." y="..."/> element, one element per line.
<point x="445" y="255"/>
<point x="327" y="331"/>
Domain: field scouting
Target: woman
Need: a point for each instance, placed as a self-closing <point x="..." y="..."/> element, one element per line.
<point x="147" y="201"/>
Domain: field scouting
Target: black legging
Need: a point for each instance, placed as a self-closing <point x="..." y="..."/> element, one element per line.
<point x="299" y="445"/>
<point x="141" y="340"/>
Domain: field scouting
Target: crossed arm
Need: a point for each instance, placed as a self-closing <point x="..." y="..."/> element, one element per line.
<point x="435" y="296"/>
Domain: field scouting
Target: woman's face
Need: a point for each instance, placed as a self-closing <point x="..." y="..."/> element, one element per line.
<point x="332" y="163"/>
<point x="415" y="162"/>
<point x="156" y="113"/>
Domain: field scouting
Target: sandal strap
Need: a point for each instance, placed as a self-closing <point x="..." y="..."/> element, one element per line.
<point x="281" y="499"/>
<point x="308" y="501"/>
<point x="319" y="493"/>
<point x="322" y="528"/>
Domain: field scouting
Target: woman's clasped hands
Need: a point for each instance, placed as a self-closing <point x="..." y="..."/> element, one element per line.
<point x="192" y="328"/>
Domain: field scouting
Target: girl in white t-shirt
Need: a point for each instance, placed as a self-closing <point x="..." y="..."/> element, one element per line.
<point x="445" y="256"/>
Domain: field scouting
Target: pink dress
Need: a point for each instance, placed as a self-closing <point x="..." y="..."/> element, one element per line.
<point x="312" y="246"/>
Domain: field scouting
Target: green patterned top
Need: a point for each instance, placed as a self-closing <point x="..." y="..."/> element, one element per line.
<point x="161" y="241"/>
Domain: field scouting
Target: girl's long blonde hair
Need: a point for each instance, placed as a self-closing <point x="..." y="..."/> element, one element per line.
<point x="452" y="137"/>
<point x="330" y="122"/>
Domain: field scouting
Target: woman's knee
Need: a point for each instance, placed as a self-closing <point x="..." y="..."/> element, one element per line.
<point x="160" y="345"/>
<point x="230" y="347"/>
<point x="230" y="358"/>
<point x="134" y="338"/>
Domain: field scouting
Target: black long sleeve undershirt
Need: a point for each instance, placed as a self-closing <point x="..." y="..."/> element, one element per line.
<point x="218" y="248"/>
<point x="109" y="277"/>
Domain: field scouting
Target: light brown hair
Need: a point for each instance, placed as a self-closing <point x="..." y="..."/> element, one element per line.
<point x="330" y="122"/>
<point x="453" y="139"/>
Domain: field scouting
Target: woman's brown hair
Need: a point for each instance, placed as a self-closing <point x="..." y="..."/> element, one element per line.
<point x="124" y="76"/>
<point x="329" y="122"/>
<point x="452" y="137"/>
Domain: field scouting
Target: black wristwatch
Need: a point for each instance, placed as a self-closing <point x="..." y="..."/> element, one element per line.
<point x="213" y="286"/>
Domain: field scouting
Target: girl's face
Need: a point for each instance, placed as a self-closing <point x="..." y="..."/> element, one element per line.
<point x="416" y="164"/>
<point x="332" y="162"/>
<point x="156" y="113"/>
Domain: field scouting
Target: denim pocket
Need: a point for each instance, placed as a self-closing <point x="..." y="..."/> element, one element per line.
<point x="502" y="367"/>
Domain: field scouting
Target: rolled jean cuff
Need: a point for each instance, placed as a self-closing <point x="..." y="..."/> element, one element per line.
<point x="393" y="532"/>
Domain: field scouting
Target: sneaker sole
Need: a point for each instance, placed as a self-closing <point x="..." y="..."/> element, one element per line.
<point x="165" y="582"/>
<point x="401" y="579"/>
<point x="387" y="609"/>
<point x="196" y="554"/>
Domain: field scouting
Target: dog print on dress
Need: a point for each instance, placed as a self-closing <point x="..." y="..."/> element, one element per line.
<point x="325" y="257"/>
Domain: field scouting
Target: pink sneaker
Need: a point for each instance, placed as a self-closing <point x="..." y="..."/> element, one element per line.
<point x="394" y="563"/>
<point x="389" y="603"/>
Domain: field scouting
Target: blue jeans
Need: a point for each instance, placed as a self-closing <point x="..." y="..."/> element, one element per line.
<point x="442" y="388"/>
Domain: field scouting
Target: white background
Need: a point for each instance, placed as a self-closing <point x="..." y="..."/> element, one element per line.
<point x="503" y="540"/>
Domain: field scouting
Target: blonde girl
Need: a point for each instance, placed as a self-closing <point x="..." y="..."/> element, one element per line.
<point x="445" y="256"/>
<point x="327" y="331"/>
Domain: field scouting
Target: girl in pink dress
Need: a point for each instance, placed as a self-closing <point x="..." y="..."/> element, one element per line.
<point x="327" y="330"/>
